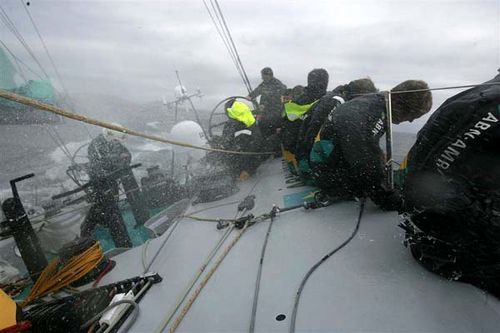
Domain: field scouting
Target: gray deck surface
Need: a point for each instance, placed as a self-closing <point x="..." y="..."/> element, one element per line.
<point x="373" y="284"/>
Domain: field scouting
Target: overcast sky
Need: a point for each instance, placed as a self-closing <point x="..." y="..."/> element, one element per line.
<point x="132" y="48"/>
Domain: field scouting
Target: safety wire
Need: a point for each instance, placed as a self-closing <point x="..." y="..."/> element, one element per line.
<point x="320" y="262"/>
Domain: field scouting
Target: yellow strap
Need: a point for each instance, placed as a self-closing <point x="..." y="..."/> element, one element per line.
<point x="404" y="164"/>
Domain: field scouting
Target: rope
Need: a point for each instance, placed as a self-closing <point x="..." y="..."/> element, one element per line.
<point x="234" y="47"/>
<point x="52" y="278"/>
<point x="259" y="276"/>
<point x="226" y="44"/>
<point x="434" y="89"/>
<point x="76" y="116"/>
<point x="321" y="261"/>
<point x="204" y="282"/>
<point x="195" y="279"/>
<point x="145" y="249"/>
<point x="206" y="219"/>
<point x="225" y="35"/>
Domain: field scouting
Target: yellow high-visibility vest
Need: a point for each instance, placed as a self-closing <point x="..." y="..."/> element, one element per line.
<point x="241" y="112"/>
<point x="294" y="111"/>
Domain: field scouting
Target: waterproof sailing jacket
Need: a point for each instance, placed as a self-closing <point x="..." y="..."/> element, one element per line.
<point x="270" y="93"/>
<point x="106" y="156"/>
<point x="294" y="112"/>
<point x="312" y="122"/>
<point x="348" y="147"/>
<point x="460" y="141"/>
<point x="452" y="190"/>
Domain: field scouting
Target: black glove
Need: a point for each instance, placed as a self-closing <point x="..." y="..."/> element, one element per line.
<point x="389" y="200"/>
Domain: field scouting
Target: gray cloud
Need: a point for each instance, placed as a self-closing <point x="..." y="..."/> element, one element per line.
<point x="132" y="48"/>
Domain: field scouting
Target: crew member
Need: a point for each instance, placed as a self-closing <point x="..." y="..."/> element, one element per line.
<point x="295" y="111"/>
<point x="270" y="91"/>
<point x="346" y="157"/>
<point x="108" y="157"/>
<point x="452" y="189"/>
<point x="315" y="118"/>
<point x="240" y="133"/>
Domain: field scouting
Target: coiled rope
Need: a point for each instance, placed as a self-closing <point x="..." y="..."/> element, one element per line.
<point x="53" y="279"/>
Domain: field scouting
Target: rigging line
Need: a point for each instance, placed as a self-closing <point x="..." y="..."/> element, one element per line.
<point x="204" y="282"/>
<point x="144" y="249"/>
<point x="12" y="27"/>
<point x="434" y="89"/>
<point x="186" y="308"/>
<point x="321" y="261"/>
<point x="226" y="36"/>
<point x="76" y="116"/>
<point x="193" y="281"/>
<point x="234" y="46"/>
<point x="231" y="42"/>
<point x="20" y="69"/>
<point x="224" y="40"/>
<point x="259" y="275"/>
<point x="19" y="60"/>
<point x="63" y="144"/>
<point x="60" y="145"/>
<point x="233" y="58"/>
<point x="44" y="45"/>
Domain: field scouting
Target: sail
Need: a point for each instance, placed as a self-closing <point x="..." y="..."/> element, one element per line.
<point x="41" y="90"/>
<point x="7" y="71"/>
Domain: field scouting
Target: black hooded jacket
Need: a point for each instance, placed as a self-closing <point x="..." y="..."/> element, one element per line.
<point x="460" y="142"/>
<point x="312" y="122"/>
<point x="270" y="93"/>
<point x="355" y="129"/>
<point x="317" y="83"/>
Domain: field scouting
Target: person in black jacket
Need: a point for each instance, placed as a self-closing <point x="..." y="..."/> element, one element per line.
<point x="314" y="119"/>
<point x="346" y="158"/>
<point x="270" y="91"/>
<point x="295" y="111"/>
<point x="452" y="189"/>
<point x="107" y="156"/>
<point x="240" y="133"/>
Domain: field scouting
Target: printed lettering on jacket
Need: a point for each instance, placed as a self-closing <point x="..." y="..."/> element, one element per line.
<point x="379" y="126"/>
<point x="455" y="149"/>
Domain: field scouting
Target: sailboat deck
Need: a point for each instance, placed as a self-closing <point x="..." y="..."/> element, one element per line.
<point x="373" y="284"/>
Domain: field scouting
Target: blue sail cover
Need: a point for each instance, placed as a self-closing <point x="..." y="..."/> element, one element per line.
<point x="15" y="113"/>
